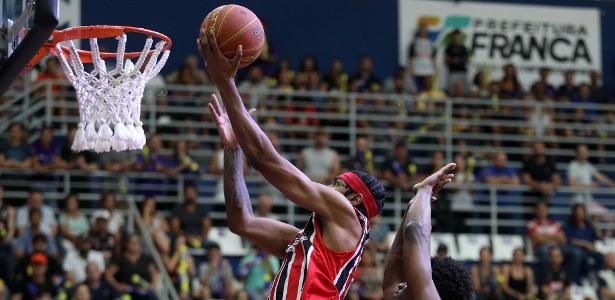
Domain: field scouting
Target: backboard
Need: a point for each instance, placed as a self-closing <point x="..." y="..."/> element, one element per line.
<point x="26" y="26"/>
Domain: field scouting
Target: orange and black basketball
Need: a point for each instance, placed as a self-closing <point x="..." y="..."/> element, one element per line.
<point x="235" y="25"/>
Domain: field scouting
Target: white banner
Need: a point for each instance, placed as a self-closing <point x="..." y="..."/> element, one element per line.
<point x="528" y="36"/>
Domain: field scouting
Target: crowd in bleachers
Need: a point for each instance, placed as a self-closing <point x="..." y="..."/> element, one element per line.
<point x="45" y="253"/>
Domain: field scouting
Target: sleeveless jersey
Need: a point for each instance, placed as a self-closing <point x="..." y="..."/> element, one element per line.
<point x="312" y="271"/>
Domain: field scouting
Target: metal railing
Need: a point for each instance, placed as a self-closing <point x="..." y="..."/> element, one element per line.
<point x="480" y="126"/>
<point x="493" y="207"/>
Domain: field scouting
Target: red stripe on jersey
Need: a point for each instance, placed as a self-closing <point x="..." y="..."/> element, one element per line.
<point x="295" y="273"/>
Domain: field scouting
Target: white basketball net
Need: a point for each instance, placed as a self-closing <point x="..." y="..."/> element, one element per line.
<point x="111" y="99"/>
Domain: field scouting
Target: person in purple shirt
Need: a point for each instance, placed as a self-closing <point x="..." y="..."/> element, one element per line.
<point x="582" y="235"/>
<point x="499" y="172"/>
<point x="14" y="152"/>
<point x="150" y="159"/>
<point x="45" y="153"/>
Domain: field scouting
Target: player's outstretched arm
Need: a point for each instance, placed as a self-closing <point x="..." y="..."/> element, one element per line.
<point x="258" y="148"/>
<point x="271" y="235"/>
<point x="411" y="248"/>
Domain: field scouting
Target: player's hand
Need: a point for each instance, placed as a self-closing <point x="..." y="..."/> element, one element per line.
<point x="438" y="180"/>
<point x="225" y="130"/>
<point x="220" y="68"/>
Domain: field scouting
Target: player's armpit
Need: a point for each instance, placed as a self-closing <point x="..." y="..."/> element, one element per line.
<point x="270" y="235"/>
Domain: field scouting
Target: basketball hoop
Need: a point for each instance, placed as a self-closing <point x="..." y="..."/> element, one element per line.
<point x="109" y="102"/>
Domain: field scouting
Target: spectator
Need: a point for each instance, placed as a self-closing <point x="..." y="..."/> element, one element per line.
<point x="81" y="292"/>
<point x="586" y="102"/>
<point x="582" y="173"/>
<point x="76" y="261"/>
<point x="555" y="280"/>
<point x="378" y="235"/>
<point x="456" y="60"/>
<point x="336" y="79"/>
<point x="499" y="172"/>
<point x="216" y="275"/>
<point x="4" y="292"/>
<point x="240" y="295"/>
<point x="7" y="234"/>
<point x="461" y="195"/>
<point x="99" y="287"/>
<point x="24" y="244"/>
<point x="116" y="217"/>
<point x="35" y="201"/>
<point x="182" y="162"/>
<point x="180" y="265"/>
<point x="510" y="87"/>
<point x="399" y="170"/>
<point x="568" y="90"/>
<point x="518" y="283"/>
<point x="364" y="158"/>
<point x="365" y="80"/>
<point x="150" y="159"/>
<point x="46" y="152"/>
<point x="549" y="89"/>
<point x="371" y="277"/>
<point x="545" y="234"/>
<point x="606" y="278"/>
<point x="541" y="119"/>
<point x="400" y="83"/>
<point x="85" y="160"/>
<point x="15" y="152"/>
<point x="437" y="162"/>
<point x="191" y="70"/>
<point x="191" y="218"/>
<point x="258" y="270"/>
<point x="100" y="237"/>
<point x="264" y="206"/>
<point x="72" y="222"/>
<point x="597" y="91"/>
<point x="480" y="85"/>
<point x="255" y="83"/>
<point x="117" y="161"/>
<point x="156" y="224"/>
<point x="484" y="276"/>
<point x="427" y="95"/>
<point x="442" y="251"/>
<point x="132" y="272"/>
<point x="421" y="55"/>
<point x="582" y="235"/>
<point x="538" y="92"/>
<point x="36" y="285"/>
<point x="457" y="90"/>
<point x="320" y="163"/>
<point x="308" y="67"/>
<point x="40" y="244"/>
<point x="539" y="174"/>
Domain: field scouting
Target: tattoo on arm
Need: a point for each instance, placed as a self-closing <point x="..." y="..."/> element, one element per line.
<point x="237" y="198"/>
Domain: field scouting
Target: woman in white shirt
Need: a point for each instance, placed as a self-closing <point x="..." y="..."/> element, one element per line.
<point x="422" y="57"/>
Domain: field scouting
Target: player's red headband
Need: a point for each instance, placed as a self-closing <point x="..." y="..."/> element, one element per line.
<point x="357" y="185"/>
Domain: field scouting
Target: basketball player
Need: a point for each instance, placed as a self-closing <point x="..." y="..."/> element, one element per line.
<point x="320" y="260"/>
<point x="409" y="271"/>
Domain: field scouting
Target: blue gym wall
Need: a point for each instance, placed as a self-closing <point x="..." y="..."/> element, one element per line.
<point x="327" y="29"/>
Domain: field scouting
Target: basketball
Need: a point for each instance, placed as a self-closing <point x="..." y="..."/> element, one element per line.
<point x="235" y="25"/>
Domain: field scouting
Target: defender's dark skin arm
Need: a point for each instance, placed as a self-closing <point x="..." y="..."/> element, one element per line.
<point x="271" y="235"/>
<point x="409" y="262"/>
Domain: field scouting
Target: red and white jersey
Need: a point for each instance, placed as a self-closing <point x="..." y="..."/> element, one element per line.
<point x="312" y="271"/>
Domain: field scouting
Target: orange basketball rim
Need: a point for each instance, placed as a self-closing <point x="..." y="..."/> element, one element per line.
<point x="94" y="31"/>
